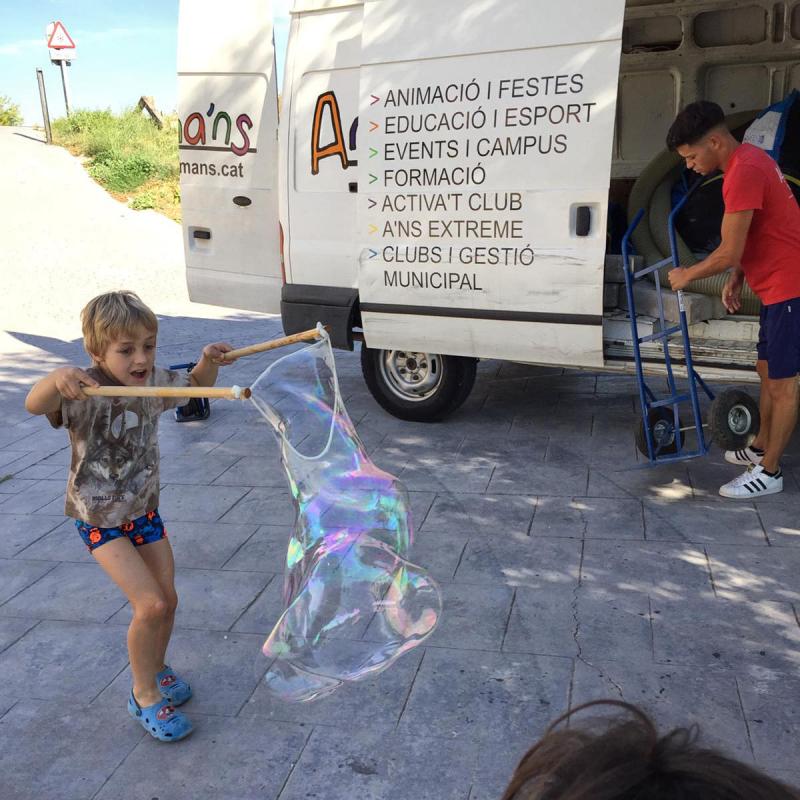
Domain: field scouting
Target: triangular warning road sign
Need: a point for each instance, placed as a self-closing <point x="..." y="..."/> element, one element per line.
<point x="59" y="38"/>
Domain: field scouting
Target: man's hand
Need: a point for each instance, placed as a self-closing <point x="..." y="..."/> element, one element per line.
<point x="214" y="353"/>
<point x="69" y="381"/>
<point x="679" y="278"/>
<point x="732" y="291"/>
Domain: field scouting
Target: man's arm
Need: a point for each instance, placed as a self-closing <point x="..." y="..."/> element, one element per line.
<point x="735" y="227"/>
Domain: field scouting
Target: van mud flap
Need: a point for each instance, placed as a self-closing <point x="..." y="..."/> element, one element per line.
<point x="303" y="305"/>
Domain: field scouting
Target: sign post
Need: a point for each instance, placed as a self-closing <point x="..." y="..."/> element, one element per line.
<point x="62" y="51"/>
<point x="45" y="111"/>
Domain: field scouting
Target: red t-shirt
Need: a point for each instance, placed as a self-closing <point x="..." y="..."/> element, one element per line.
<point x="771" y="259"/>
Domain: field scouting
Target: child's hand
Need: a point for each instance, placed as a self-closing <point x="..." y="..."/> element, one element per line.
<point x="70" y="380"/>
<point x="214" y="353"/>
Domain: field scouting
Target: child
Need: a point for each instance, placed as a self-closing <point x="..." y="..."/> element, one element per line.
<point x="112" y="490"/>
<point x="626" y="758"/>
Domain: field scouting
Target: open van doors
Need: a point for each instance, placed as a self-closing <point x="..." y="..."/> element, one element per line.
<point x="228" y="112"/>
<point x="485" y="143"/>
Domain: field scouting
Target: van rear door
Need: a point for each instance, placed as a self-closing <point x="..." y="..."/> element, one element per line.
<point x="228" y="112"/>
<point x="485" y="143"/>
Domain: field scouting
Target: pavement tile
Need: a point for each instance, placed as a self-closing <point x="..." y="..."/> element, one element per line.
<point x="666" y="482"/>
<point x="199" y="503"/>
<point x="11" y="434"/>
<point x="262" y="614"/>
<point x="222" y="669"/>
<point x="780" y="518"/>
<point x="438" y="552"/>
<point x="13" y="629"/>
<point x="374" y="703"/>
<point x="45" y="761"/>
<point x="703" y="520"/>
<point x="674" y="696"/>
<point x="223" y="759"/>
<point x="588" y="517"/>
<point x="451" y="477"/>
<point x="264" y="551"/>
<point x="520" y="561"/>
<point x="374" y="766"/>
<point x="18" y="531"/>
<point x="67" y="661"/>
<point x="206" y="545"/>
<point x="253" y="471"/>
<point x="471" y="620"/>
<point x="530" y="478"/>
<point x="483" y="514"/>
<point x="63" y="543"/>
<point x="17" y="574"/>
<point x="534" y="422"/>
<point x="33" y="497"/>
<point x="660" y="570"/>
<point x="500" y="697"/>
<point x="69" y="592"/>
<point x="15" y="485"/>
<point x="770" y="702"/>
<point x="755" y="573"/>
<point x="10" y="458"/>
<point x="715" y="632"/>
<point x="209" y="599"/>
<point x="261" y="506"/>
<point x="193" y="470"/>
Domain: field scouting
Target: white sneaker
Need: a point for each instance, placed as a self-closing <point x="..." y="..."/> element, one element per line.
<point x="754" y="483"/>
<point x="747" y="456"/>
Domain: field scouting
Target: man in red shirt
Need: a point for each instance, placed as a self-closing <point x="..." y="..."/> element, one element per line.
<point x="760" y="243"/>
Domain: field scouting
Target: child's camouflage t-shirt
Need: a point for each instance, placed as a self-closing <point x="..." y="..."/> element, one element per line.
<point x="113" y="477"/>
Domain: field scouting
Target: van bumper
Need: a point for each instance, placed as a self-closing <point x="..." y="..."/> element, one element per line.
<point x="304" y="305"/>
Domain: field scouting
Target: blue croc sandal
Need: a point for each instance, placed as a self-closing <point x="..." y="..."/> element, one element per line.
<point x="161" y="720"/>
<point x="172" y="687"/>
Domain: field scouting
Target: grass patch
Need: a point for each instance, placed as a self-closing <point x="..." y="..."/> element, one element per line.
<point x="127" y="155"/>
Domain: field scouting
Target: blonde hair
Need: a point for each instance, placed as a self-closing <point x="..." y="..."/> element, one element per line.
<point x="111" y="315"/>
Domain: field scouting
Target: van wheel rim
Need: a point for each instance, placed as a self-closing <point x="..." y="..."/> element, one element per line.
<point x="411" y="376"/>
<point x="740" y="420"/>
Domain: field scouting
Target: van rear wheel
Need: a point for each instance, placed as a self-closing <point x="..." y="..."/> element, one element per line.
<point x="416" y="386"/>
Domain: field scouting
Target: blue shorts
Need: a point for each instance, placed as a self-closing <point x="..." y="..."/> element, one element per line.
<point x="779" y="338"/>
<point x="142" y="530"/>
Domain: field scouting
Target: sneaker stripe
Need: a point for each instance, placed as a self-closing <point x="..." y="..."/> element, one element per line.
<point x="760" y="483"/>
<point x="748" y="487"/>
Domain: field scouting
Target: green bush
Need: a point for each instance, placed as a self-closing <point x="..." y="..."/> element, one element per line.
<point x="124" y="150"/>
<point x="9" y="112"/>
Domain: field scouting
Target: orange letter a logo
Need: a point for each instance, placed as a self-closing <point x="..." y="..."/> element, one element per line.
<point x="328" y="99"/>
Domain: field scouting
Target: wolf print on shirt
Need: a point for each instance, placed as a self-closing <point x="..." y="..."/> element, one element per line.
<point x="114" y="471"/>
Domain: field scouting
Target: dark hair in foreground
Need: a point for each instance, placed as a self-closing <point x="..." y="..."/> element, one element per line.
<point x="693" y="123"/>
<point x="625" y="758"/>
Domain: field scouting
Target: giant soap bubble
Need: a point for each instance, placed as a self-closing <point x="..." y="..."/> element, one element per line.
<point x="354" y="603"/>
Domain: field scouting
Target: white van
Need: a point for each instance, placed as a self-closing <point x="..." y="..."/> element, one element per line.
<point x="438" y="180"/>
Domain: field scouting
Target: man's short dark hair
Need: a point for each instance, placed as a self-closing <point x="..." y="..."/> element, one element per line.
<point x="693" y="123"/>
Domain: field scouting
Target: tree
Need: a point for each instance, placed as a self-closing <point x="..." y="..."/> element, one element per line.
<point x="9" y="112"/>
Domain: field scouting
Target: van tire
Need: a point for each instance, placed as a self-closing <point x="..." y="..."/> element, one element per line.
<point x="449" y="380"/>
<point x="734" y="419"/>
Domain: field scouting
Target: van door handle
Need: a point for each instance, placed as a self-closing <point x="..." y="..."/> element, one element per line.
<point x="583" y="220"/>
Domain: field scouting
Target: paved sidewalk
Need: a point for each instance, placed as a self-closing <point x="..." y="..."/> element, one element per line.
<point x="567" y="575"/>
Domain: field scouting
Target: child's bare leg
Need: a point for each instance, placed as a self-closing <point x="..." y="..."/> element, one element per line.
<point x="129" y="571"/>
<point x="159" y="560"/>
